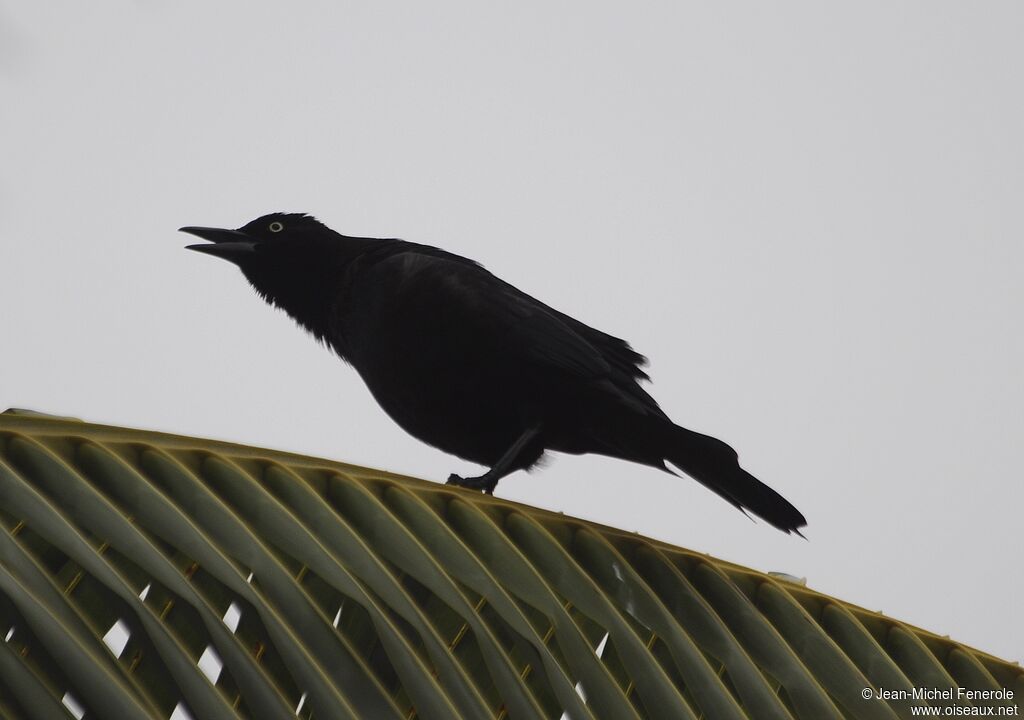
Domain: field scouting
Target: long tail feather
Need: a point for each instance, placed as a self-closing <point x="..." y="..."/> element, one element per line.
<point x="715" y="465"/>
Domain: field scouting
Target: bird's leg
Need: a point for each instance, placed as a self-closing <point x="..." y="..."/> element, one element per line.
<point x="509" y="462"/>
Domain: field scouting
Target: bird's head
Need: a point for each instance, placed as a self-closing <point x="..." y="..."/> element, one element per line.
<point x="292" y="260"/>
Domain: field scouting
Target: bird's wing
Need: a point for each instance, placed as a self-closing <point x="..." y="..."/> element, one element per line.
<point x="525" y="327"/>
<point x="615" y="351"/>
<point x="541" y="334"/>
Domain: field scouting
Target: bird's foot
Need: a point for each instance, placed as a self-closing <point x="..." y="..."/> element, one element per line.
<point x="483" y="482"/>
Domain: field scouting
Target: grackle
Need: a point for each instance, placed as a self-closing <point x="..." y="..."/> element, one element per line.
<point x="471" y="365"/>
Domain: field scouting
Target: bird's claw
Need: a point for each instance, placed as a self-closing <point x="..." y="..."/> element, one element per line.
<point x="482" y="483"/>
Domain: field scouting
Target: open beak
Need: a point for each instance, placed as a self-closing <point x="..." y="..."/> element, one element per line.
<point x="231" y="245"/>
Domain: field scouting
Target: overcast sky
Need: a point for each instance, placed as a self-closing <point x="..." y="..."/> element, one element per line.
<point x="808" y="216"/>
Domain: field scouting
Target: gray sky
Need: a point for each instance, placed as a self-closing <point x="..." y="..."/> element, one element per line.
<point x="808" y="216"/>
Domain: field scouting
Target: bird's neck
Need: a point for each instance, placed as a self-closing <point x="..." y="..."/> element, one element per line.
<point x="310" y="291"/>
<point x="311" y="308"/>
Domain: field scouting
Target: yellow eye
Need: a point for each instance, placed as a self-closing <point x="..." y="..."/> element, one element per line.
<point x="276" y="226"/>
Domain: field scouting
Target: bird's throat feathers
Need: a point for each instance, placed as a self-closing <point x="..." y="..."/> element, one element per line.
<point x="310" y="309"/>
<point x="307" y="285"/>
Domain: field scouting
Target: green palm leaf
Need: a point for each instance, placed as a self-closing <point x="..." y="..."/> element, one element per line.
<point x="145" y="575"/>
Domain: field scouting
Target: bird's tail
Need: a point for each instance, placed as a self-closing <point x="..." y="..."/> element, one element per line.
<point x="715" y="465"/>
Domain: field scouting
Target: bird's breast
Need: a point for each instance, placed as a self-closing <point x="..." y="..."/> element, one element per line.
<point x="442" y="389"/>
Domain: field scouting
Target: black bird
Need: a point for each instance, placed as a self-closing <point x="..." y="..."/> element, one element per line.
<point x="471" y="365"/>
